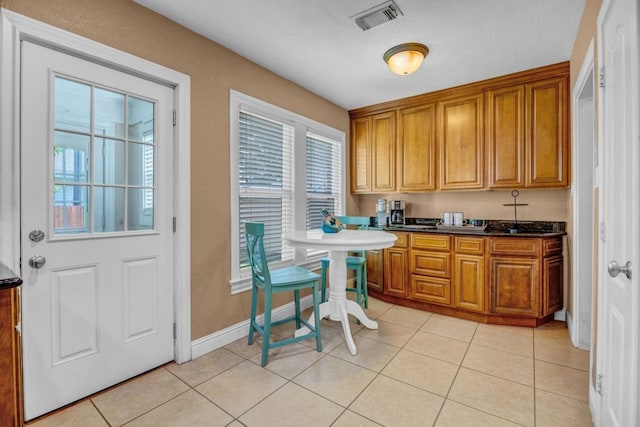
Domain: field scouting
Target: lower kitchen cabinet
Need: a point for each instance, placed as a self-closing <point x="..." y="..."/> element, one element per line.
<point x="375" y="276"/>
<point x="395" y="267"/>
<point x="503" y="280"/>
<point x="10" y="357"/>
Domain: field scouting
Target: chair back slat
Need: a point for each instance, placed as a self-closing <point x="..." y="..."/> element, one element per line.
<point x="361" y="221"/>
<point x="254" y="236"/>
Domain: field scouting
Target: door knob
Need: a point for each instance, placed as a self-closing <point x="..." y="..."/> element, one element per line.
<point x="615" y="269"/>
<point x="37" y="261"/>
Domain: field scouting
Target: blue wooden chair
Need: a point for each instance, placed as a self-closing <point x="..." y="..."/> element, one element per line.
<point x="287" y="279"/>
<point x="357" y="262"/>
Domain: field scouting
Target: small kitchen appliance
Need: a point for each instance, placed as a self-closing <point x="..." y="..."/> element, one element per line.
<point x="396" y="212"/>
<point x="381" y="213"/>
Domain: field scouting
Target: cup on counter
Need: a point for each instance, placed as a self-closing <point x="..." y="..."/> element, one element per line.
<point x="458" y="218"/>
<point x="447" y="218"/>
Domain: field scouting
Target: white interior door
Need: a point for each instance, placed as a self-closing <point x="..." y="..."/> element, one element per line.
<point x="96" y="226"/>
<point x="618" y="328"/>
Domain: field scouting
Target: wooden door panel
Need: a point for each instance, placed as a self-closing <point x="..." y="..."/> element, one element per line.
<point x="513" y="287"/>
<point x="430" y="289"/>
<point x="417" y="148"/>
<point x="384" y="152"/>
<point x="469" y="276"/>
<point x="361" y="155"/>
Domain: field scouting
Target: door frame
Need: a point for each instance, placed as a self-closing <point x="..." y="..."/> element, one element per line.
<point x="579" y="319"/>
<point x="13" y="29"/>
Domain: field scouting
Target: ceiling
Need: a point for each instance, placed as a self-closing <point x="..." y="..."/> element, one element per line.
<point x="316" y="43"/>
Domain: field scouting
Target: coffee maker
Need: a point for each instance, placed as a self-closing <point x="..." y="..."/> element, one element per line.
<point x="396" y="212"/>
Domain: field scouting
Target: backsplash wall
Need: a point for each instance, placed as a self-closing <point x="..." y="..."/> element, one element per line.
<point x="542" y="205"/>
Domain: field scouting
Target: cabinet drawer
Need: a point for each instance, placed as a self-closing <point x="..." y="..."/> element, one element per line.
<point x="514" y="246"/>
<point x="551" y="246"/>
<point x="469" y="245"/>
<point x="430" y="289"/>
<point x="403" y="240"/>
<point x="430" y="263"/>
<point x="435" y="242"/>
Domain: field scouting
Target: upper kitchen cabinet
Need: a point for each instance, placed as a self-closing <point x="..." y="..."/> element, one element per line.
<point x="416" y="148"/>
<point x="373" y="142"/>
<point x="461" y="142"/>
<point x="383" y="141"/>
<point x="547" y="146"/>
<point x="361" y="155"/>
<point x="527" y="134"/>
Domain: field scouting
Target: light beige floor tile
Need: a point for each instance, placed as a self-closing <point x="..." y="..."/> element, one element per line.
<point x="553" y="329"/>
<point x="236" y="423"/>
<point x="243" y="349"/>
<point x="241" y="387"/>
<point x="388" y="333"/>
<point x="504" y="328"/>
<point x="289" y="360"/>
<point x="505" y="340"/>
<point x="443" y="348"/>
<point x="377" y="308"/>
<point x="335" y="379"/>
<point x="393" y="403"/>
<point x="332" y="337"/>
<point x="138" y="396"/>
<point x="188" y="409"/>
<point x="451" y="327"/>
<point x="421" y="371"/>
<point x="553" y="410"/>
<point x="404" y="316"/>
<point x="371" y="354"/>
<point x="569" y="382"/>
<point x="454" y="414"/>
<point x="502" y="398"/>
<point x="351" y="419"/>
<point x="509" y="366"/>
<point x="205" y="367"/>
<point x="561" y="352"/>
<point x="293" y="406"/>
<point x="82" y="414"/>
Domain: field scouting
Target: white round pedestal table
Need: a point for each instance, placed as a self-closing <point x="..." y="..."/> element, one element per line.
<point x="338" y="307"/>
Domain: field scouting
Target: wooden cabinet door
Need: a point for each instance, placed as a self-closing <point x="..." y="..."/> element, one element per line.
<point x="383" y="141"/>
<point x="375" y="264"/>
<point x="469" y="276"/>
<point x="513" y="285"/>
<point x="552" y="278"/>
<point x="395" y="272"/>
<point x="547" y="133"/>
<point x="460" y="136"/>
<point x="505" y="122"/>
<point x="10" y="360"/>
<point x="361" y="155"/>
<point x="416" y="148"/>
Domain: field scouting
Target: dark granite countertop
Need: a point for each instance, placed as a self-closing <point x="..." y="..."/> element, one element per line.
<point x="499" y="228"/>
<point x="8" y="279"/>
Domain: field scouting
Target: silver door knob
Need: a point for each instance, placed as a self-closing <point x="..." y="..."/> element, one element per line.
<point x="615" y="269"/>
<point x="37" y="261"/>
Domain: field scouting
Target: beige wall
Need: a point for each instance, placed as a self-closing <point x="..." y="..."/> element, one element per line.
<point x="214" y="70"/>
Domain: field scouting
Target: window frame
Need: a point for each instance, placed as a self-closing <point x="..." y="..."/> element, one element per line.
<point x="302" y="127"/>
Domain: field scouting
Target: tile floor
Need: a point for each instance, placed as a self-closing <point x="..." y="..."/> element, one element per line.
<point x="417" y="369"/>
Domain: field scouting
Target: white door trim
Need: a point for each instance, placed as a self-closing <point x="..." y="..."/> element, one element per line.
<point x="13" y="29"/>
<point x="580" y="317"/>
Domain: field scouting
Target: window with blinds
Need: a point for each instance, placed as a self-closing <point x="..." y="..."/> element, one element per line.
<point x="285" y="169"/>
<point x="265" y="182"/>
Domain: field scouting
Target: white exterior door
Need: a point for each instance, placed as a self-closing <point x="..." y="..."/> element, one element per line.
<point x="96" y="227"/>
<point x="618" y="322"/>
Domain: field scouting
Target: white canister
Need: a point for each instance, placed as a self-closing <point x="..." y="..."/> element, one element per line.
<point x="447" y="218"/>
<point x="458" y="218"/>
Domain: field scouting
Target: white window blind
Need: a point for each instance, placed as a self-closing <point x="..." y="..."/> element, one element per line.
<point x="265" y="182"/>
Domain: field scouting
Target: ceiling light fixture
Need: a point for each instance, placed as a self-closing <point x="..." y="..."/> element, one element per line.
<point x="405" y="58"/>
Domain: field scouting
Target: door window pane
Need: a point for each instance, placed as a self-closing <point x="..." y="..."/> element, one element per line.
<point x="108" y="209"/>
<point x="70" y="209"/>
<point x="140" y="120"/>
<point x="140" y="164"/>
<point x="108" y="161"/>
<point x="109" y="113"/>
<point x="72" y="105"/>
<point x="140" y="209"/>
<point x="71" y="157"/>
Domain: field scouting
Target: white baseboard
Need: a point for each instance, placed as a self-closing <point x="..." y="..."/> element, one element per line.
<point x="594" y="404"/>
<point x="233" y="333"/>
<point x="570" y="327"/>
<point x="560" y="315"/>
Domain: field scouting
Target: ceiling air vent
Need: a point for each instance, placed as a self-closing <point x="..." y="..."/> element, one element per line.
<point x="385" y="12"/>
